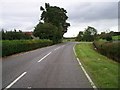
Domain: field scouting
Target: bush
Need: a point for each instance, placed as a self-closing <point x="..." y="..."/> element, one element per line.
<point x="10" y="47"/>
<point x="109" y="49"/>
<point x="109" y="38"/>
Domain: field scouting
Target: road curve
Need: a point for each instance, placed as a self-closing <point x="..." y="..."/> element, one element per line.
<point x="50" y="67"/>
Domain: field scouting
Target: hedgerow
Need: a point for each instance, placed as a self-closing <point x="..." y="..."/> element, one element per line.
<point x="10" y="47"/>
<point x="109" y="49"/>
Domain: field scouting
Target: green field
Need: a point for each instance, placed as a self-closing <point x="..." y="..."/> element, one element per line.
<point x="103" y="71"/>
<point x="116" y="37"/>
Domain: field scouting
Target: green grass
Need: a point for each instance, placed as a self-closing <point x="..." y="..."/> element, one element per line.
<point x="116" y="37"/>
<point x="103" y="71"/>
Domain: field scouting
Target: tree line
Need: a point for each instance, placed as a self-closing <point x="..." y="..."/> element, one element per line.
<point x="14" y="35"/>
<point x="90" y="34"/>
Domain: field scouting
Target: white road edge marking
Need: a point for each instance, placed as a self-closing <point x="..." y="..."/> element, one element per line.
<point x="15" y="80"/>
<point x="89" y="79"/>
<point x="44" y="56"/>
<point x="74" y="50"/>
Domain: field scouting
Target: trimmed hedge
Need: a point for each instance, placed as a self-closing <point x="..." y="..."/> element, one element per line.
<point x="10" y="47"/>
<point x="109" y="49"/>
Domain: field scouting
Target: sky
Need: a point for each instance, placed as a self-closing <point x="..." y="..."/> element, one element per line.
<point x="25" y="14"/>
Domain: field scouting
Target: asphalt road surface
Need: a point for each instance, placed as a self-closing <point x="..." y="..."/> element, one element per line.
<point x="50" y="67"/>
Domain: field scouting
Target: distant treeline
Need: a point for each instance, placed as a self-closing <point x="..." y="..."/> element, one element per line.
<point x="108" y="36"/>
<point x="15" y="35"/>
<point x="90" y="34"/>
<point x="69" y="37"/>
<point x="115" y="33"/>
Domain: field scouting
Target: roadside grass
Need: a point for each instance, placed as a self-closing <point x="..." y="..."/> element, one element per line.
<point x="103" y="71"/>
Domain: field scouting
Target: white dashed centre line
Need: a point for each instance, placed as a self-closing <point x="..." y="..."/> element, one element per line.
<point x="56" y="49"/>
<point x="44" y="56"/>
<point x="10" y="85"/>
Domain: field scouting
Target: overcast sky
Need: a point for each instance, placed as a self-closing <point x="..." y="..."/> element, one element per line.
<point x="25" y="14"/>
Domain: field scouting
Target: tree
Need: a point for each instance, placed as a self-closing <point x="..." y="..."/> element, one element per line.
<point x="102" y="35"/>
<point x="90" y="34"/>
<point x="79" y="36"/>
<point x="108" y="37"/>
<point x="56" y="16"/>
<point x="47" y="31"/>
<point x="54" y="23"/>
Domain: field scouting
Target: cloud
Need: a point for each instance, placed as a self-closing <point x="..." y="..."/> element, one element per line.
<point x="101" y="15"/>
<point x="100" y="26"/>
<point x="25" y="14"/>
<point x="87" y="12"/>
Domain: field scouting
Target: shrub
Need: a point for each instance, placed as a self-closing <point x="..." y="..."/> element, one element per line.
<point x="109" y="49"/>
<point x="10" y="47"/>
<point x="109" y="38"/>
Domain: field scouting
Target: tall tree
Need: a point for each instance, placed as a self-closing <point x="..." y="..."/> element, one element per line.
<point x="55" y="15"/>
<point x="52" y="24"/>
<point x="90" y="34"/>
<point x="79" y="36"/>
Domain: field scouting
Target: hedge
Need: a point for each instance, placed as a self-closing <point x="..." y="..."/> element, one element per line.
<point x="10" y="47"/>
<point x="109" y="49"/>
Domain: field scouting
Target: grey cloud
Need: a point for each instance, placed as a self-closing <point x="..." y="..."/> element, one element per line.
<point x="19" y="15"/>
<point x="94" y="11"/>
<point x="25" y="14"/>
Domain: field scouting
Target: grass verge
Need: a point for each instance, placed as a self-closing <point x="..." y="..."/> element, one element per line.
<point x="103" y="71"/>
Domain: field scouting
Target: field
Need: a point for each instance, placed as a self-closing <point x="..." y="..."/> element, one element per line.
<point x="103" y="71"/>
<point x="116" y="37"/>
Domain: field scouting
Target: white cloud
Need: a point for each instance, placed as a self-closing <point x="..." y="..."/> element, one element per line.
<point x="100" y="25"/>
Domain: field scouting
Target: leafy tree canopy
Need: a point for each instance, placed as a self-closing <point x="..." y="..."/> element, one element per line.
<point x="47" y="31"/>
<point x="88" y="35"/>
<point x="54" y="21"/>
<point x="91" y="31"/>
<point x="55" y="15"/>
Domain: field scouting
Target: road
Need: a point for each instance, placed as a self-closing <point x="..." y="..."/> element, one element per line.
<point x="50" y="67"/>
